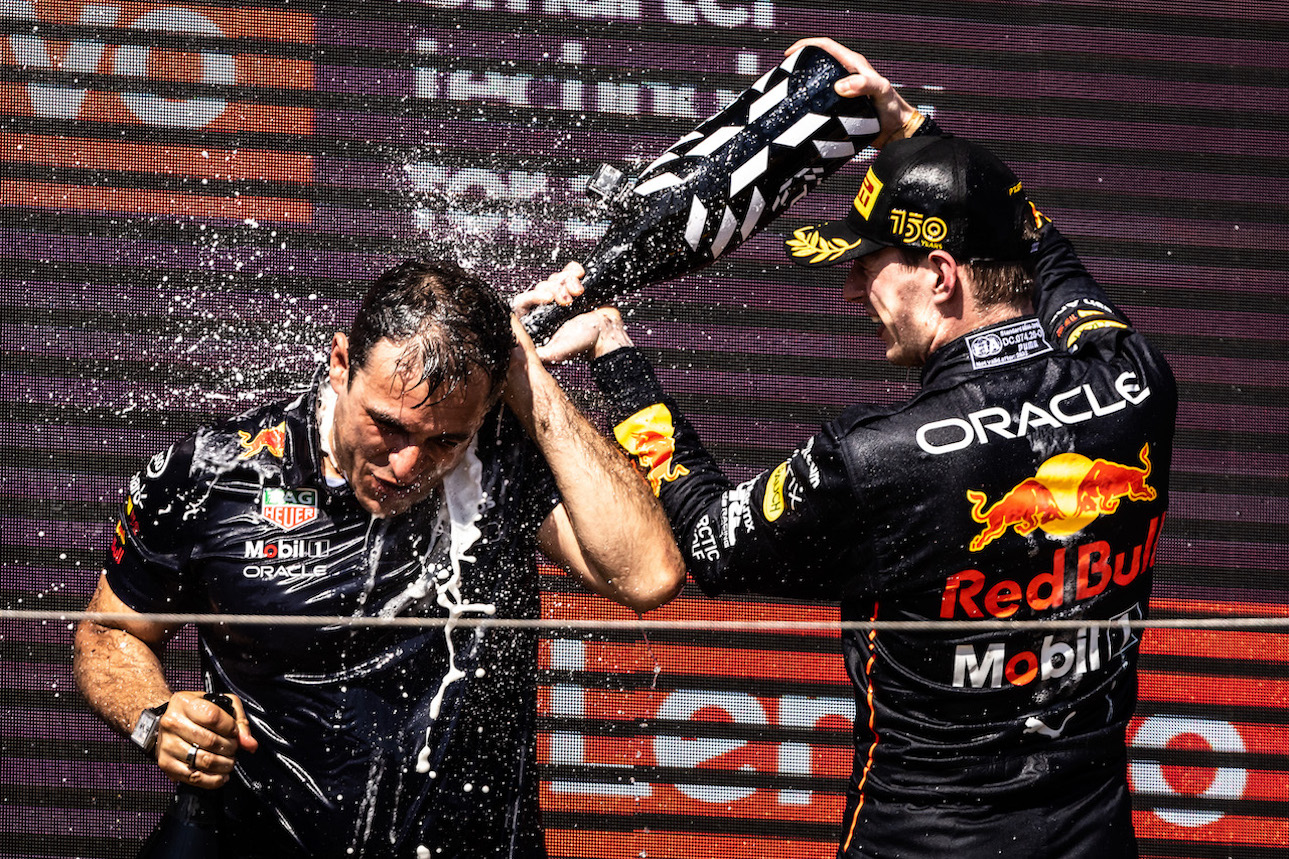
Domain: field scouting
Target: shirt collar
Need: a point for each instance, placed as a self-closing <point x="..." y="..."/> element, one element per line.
<point x="999" y="345"/>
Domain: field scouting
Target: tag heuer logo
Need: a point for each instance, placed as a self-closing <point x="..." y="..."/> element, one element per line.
<point x="289" y="508"/>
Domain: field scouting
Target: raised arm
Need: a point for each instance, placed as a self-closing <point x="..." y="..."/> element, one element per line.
<point x="773" y="534"/>
<point x="898" y="118"/>
<point x="609" y="530"/>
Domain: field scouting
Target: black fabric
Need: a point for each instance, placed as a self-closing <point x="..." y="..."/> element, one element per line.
<point x="931" y="191"/>
<point x="237" y="519"/>
<point x="1091" y="818"/>
<point x="1028" y="479"/>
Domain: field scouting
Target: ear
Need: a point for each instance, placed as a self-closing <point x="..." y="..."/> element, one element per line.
<point x="338" y="368"/>
<point x="948" y="285"/>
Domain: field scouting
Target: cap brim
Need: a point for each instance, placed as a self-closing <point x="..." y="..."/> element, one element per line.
<point x="826" y="244"/>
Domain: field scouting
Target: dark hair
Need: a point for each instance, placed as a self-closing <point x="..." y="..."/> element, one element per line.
<point x="449" y="322"/>
<point x="992" y="282"/>
<point x="995" y="283"/>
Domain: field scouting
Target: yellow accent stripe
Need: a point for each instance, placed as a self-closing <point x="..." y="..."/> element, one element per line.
<point x="872" y="716"/>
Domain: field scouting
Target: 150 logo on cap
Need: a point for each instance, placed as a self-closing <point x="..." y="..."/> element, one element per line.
<point x="915" y="228"/>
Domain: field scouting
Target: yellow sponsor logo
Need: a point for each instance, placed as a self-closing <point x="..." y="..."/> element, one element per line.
<point x="1092" y="325"/>
<point x="866" y="199"/>
<point x="915" y="228"/>
<point x="650" y="436"/>
<point x="772" y="504"/>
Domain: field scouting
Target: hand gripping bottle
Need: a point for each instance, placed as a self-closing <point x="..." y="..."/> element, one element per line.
<point x="721" y="183"/>
<point x="188" y="828"/>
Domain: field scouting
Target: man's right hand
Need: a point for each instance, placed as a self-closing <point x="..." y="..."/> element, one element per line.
<point x="898" y="118"/>
<point x="191" y="721"/>
<point x="591" y="334"/>
<point x="117" y="667"/>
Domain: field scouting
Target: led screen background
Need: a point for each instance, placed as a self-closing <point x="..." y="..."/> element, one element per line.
<point x="193" y="192"/>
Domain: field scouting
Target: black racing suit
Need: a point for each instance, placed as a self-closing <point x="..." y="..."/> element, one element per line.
<point x="238" y="519"/>
<point x="1027" y="480"/>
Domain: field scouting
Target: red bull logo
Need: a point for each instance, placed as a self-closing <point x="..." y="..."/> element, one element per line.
<point x="119" y="541"/>
<point x="272" y="439"/>
<point x="650" y="436"/>
<point x="1068" y="491"/>
<point x="130" y="515"/>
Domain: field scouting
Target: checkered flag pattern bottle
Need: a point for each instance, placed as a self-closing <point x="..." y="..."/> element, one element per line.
<point x="720" y="184"/>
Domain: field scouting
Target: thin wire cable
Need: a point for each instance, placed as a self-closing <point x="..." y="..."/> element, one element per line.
<point x="644" y="624"/>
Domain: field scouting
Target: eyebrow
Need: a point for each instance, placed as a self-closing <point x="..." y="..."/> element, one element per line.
<point x="388" y="420"/>
<point x="394" y="423"/>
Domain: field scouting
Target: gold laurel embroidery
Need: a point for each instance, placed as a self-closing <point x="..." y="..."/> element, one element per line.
<point x="806" y="241"/>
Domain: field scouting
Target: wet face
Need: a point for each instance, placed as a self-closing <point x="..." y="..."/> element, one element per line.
<point x="391" y="443"/>
<point x="899" y="300"/>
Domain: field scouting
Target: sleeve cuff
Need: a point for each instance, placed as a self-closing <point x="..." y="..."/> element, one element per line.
<point x="627" y="381"/>
<point x="928" y="128"/>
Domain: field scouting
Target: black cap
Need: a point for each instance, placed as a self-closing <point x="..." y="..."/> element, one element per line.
<point x="932" y="193"/>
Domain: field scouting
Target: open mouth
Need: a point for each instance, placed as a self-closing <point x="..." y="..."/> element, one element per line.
<point x="389" y="487"/>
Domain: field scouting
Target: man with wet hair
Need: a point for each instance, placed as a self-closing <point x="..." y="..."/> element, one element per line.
<point x="1026" y="481"/>
<point x="416" y="476"/>
<point x="438" y="308"/>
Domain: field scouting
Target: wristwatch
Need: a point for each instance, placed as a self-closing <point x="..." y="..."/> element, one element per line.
<point x="145" y="730"/>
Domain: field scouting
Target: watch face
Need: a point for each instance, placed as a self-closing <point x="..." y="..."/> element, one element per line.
<point x="145" y="730"/>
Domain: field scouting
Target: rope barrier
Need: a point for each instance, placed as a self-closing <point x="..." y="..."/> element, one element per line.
<point x="642" y="624"/>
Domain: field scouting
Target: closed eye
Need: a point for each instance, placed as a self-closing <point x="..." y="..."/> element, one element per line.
<point x="388" y="426"/>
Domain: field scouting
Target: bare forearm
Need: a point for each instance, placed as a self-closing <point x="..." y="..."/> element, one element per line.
<point x="620" y="525"/>
<point x="118" y="674"/>
<point x="609" y="530"/>
<point x="117" y="668"/>
<point x="622" y="534"/>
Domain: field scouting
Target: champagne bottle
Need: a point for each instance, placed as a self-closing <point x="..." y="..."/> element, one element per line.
<point x="719" y="185"/>
<point x="189" y="827"/>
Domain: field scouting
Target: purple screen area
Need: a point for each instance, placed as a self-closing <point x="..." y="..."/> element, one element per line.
<point x="194" y="194"/>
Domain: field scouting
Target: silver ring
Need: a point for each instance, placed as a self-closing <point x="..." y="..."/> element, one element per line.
<point x="191" y="760"/>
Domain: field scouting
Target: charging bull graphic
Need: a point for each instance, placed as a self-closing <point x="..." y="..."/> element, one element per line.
<point x="650" y="436"/>
<point x="272" y="439"/>
<point x="1068" y="491"/>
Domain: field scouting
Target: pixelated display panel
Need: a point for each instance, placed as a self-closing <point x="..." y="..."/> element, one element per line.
<point x="192" y="191"/>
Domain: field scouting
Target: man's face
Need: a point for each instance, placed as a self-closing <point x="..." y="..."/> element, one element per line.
<point x="898" y="298"/>
<point x="391" y="443"/>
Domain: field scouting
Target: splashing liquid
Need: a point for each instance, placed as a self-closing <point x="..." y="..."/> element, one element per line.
<point x="464" y="500"/>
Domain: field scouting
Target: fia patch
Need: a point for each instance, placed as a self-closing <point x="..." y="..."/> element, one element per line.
<point x="1007" y="344"/>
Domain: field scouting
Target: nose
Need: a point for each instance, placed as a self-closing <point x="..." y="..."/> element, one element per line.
<point x="406" y="464"/>
<point x="856" y="286"/>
